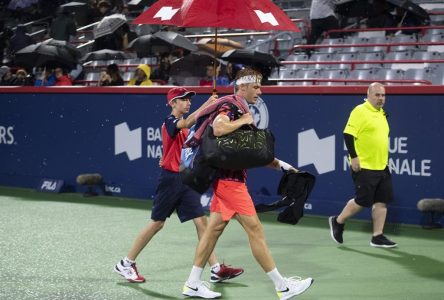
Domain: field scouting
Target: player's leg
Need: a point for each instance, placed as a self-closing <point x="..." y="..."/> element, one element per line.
<point x="286" y="288"/>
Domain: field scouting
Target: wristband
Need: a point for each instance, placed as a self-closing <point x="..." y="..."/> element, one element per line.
<point x="283" y="165"/>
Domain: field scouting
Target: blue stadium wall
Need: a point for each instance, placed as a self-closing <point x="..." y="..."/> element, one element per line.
<point x="59" y="133"/>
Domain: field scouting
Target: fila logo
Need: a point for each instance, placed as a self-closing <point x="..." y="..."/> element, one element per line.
<point x="166" y="13"/>
<point x="128" y="141"/>
<point x="266" y="17"/>
<point x="48" y="185"/>
<point x="316" y="151"/>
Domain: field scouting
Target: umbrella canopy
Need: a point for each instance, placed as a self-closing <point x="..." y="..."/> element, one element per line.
<point x="105" y="54"/>
<point x="14" y="4"/>
<point x="223" y="45"/>
<point x="362" y="8"/>
<point x="251" y="57"/>
<point x="243" y="14"/>
<point x="193" y="64"/>
<point x="176" y="39"/>
<point x="108" y="25"/>
<point x="411" y="8"/>
<point x="72" y="7"/>
<point x="148" y="45"/>
<point x="160" y="42"/>
<point x="70" y="48"/>
<point x="47" y="53"/>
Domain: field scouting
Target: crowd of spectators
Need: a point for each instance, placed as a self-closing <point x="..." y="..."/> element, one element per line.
<point x="63" y="25"/>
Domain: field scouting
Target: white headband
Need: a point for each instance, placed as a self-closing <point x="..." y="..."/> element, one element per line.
<point x="249" y="79"/>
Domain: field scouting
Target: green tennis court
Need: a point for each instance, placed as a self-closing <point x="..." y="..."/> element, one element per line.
<point x="64" y="246"/>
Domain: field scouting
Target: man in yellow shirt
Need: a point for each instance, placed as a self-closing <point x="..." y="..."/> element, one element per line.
<point x="366" y="139"/>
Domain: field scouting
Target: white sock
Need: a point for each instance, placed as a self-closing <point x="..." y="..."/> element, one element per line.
<point x="215" y="268"/>
<point x="277" y="279"/>
<point x="127" y="262"/>
<point x="195" y="275"/>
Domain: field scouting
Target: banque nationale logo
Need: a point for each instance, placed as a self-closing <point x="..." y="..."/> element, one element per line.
<point x="316" y="151"/>
<point x="128" y="141"/>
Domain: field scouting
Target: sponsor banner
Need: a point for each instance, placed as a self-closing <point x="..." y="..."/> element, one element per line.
<point x="119" y="136"/>
<point x="50" y="185"/>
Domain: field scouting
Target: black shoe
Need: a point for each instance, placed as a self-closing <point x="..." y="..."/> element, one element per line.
<point x="382" y="242"/>
<point x="336" y="230"/>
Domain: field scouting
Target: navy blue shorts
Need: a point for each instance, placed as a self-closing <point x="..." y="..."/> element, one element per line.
<point x="172" y="194"/>
<point x="372" y="186"/>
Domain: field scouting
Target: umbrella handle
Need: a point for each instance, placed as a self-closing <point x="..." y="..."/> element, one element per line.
<point x="215" y="65"/>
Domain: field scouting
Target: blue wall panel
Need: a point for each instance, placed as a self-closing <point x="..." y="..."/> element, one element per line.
<point x="118" y="135"/>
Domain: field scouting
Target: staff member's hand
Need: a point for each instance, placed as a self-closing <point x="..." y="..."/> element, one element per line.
<point x="355" y="164"/>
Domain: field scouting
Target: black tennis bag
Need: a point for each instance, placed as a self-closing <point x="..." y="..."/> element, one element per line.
<point x="245" y="148"/>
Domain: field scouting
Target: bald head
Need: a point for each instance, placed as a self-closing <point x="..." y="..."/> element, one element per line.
<point x="376" y="95"/>
<point x="373" y="86"/>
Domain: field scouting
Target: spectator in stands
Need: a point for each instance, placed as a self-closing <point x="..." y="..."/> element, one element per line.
<point x="87" y="15"/>
<point x="5" y="37"/>
<point x="163" y="71"/>
<point x="404" y="18"/>
<point x="125" y="34"/>
<point x="63" y="26"/>
<point x="322" y="18"/>
<point x="3" y="44"/>
<point x="20" y="39"/>
<point x="46" y="78"/>
<point x="111" y="77"/>
<point x="141" y="76"/>
<point x="208" y="79"/>
<point x="5" y="76"/>
<point x="21" y="78"/>
<point x="104" y="8"/>
<point x="231" y="71"/>
<point x="62" y="79"/>
<point x="108" y="41"/>
<point x="118" y="40"/>
<point x="379" y="15"/>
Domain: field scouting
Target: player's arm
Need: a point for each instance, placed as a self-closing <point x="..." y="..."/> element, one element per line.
<point x="191" y="119"/>
<point x="281" y="166"/>
<point x="222" y="124"/>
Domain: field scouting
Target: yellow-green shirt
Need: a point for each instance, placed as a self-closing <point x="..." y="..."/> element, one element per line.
<point x="370" y="128"/>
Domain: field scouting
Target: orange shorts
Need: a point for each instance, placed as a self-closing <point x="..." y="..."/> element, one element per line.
<point x="230" y="198"/>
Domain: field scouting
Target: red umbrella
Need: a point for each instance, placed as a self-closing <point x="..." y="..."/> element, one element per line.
<point x="242" y="14"/>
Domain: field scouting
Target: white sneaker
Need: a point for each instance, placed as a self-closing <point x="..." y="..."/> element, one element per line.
<point x="294" y="286"/>
<point x="130" y="273"/>
<point x="199" y="289"/>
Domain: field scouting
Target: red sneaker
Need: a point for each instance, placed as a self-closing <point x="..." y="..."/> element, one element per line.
<point x="225" y="273"/>
<point x="130" y="273"/>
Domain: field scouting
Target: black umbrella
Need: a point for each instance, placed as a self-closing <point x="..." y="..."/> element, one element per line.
<point x="45" y="54"/>
<point x="411" y="8"/>
<point x="73" y="51"/>
<point x="363" y="8"/>
<point x="251" y="58"/>
<point x="148" y="45"/>
<point x="176" y="39"/>
<point x="105" y="54"/>
<point x="193" y="64"/>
